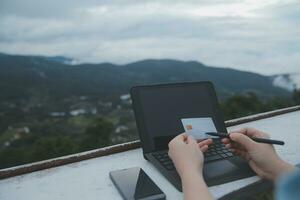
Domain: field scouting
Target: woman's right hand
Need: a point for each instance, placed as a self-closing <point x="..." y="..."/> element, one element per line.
<point x="262" y="158"/>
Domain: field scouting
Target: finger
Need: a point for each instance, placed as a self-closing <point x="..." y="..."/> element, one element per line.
<point x="191" y="140"/>
<point x="228" y="146"/>
<point x="252" y="132"/>
<point x="232" y="150"/>
<point x="262" y="135"/>
<point x="177" y="139"/>
<point x="242" y="154"/>
<point x="183" y="136"/>
<point x="204" y="148"/>
<point x="245" y="131"/>
<point x="241" y="130"/>
<point x="205" y="142"/>
<point x="235" y="151"/>
<point x="237" y="146"/>
<point x="243" y="140"/>
<point x="225" y="140"/>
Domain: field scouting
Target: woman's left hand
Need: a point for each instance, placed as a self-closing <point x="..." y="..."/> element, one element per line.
<point x="187" y="154"/>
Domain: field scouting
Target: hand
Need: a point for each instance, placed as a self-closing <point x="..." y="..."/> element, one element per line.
<point x="187" y="157"/>
<point x="186" y="153"/>
<point x="262" y="158"/>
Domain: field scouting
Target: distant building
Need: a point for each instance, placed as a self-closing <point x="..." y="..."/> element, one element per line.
<point x="119" y="107"/>
<point x="125" y="97"/>
<point x="108" y="104"/>
<point x="94" y="111"/>
<point x="57" y="114"/>
<point x="121" y="128"/>
<point x="20" y="132"/>
<point x="7" y="144"/>
<point x="78" y="112"/>
<point x="23" y="130"/>
<point x="26" y="129"/>
<point x="105" y="104"/>
<point x="83" y="111"/>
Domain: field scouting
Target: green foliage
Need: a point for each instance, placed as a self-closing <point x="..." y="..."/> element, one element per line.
<point x="51" y="147"/>
<point x="296" y="96"/>
<point x="83" y="132"/>
<point x="248" y="104"/>
<point x="32" y="148"/>
<point x="97" y="135"/>
<point x="11" y="157"/>
<point x="241" y="105"/>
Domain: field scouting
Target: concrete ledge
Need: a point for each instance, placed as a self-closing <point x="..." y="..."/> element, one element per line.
<point x="27" y="168"/>
<point x="259" y="116"/>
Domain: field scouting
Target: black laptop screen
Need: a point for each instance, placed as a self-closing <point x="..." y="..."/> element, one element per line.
<point x="161" y="109"/>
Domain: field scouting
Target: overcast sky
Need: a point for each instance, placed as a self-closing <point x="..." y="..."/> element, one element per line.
<point x="254" y="35"/>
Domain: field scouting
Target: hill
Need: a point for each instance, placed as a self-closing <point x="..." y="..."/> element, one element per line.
<point x="24" y="76"/>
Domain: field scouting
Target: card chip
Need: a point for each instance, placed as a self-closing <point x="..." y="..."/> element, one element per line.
<point x="189" y="127"/>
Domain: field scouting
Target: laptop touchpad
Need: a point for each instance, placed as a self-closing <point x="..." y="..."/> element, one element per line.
<point x="219" y="169"/>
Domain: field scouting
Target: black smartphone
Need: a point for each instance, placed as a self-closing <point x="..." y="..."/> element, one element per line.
<point x="135" y="184"/>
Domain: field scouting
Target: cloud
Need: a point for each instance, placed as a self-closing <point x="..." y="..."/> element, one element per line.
<point x="252" y="35"/>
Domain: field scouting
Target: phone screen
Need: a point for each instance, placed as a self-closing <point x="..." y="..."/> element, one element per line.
<point x="134" y="183"/>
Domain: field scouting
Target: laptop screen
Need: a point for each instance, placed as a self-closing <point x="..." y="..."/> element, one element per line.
<point x="161" y="109"/>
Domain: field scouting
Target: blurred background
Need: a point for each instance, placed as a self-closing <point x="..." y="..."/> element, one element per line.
<point x="66" y="66"/>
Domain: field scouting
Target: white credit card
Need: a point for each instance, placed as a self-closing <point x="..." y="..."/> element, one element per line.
<point x="197" y="127"/>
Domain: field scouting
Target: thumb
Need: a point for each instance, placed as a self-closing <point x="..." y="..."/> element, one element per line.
<point x="243" y="140"/>
<point x="191" y="139"/>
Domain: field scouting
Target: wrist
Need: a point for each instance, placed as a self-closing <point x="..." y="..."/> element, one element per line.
<point x="191" y="173"/>
<point x="282" y="167"/>
<point x="194" y="186"/>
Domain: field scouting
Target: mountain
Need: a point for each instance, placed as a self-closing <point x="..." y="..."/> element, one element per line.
<point x="57" y="59"/>
<point x="287" y="81"/>
<point x="29" y="76"/>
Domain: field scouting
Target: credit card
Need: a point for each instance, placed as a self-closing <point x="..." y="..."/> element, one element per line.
<point x="197" y="127"/>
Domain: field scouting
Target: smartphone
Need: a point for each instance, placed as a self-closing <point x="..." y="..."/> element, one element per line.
<point x="135" y="184"/>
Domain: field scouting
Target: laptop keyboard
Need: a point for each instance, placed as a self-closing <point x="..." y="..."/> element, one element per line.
<point x="216" y="151"/>
<point x="164" y="159"/>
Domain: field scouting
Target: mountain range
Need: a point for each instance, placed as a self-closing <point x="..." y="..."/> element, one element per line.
<point x="56" y="77"/>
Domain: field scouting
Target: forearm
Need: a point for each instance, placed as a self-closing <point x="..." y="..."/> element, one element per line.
<point x="282" y="167"/>
<point x="194" y="187"/>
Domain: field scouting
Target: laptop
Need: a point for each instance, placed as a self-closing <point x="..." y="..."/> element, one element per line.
<point x="159" y="110"/>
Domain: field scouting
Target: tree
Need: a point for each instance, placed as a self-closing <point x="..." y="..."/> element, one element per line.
<point x="11" y="157"/>
<point x="296" y="96"/>
<point x="241" y="105"/>
<point x="50" y="147"/>
<point x="98" y="134"/>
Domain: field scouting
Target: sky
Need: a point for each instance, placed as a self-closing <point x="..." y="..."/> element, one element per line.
<point x="261" y="36"/>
